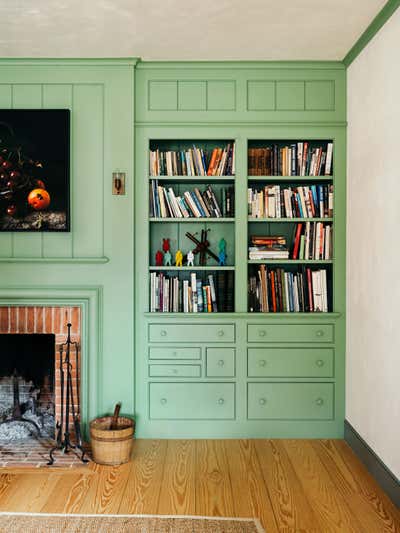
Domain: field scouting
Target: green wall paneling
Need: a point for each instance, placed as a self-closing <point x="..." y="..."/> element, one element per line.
<point x="99" y="249"/>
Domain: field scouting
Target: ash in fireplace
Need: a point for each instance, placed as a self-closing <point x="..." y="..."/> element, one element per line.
<point x="20" y="429"/>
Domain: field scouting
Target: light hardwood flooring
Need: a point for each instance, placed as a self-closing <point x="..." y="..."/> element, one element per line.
<point x="291" y="485"/>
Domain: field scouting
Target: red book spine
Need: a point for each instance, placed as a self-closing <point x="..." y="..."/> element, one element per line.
<point x="273" y="292"/>
<point x="297" y="241"/>
<point x="310" y="291"/>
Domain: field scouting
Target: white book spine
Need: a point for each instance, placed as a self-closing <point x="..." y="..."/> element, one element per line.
<point x="329" y="154"/>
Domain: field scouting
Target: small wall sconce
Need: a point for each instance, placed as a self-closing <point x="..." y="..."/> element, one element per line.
<point x="118" y="183"/>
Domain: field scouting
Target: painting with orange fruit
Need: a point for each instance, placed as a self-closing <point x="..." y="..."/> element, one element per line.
<point x="34" y="169"/>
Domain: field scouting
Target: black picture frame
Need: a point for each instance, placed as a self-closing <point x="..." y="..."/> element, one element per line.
<point x="36" y="143"/>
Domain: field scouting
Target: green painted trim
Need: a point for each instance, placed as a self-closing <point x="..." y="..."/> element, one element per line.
<point x="74" y="61"/>
<point x="229" y="65"/>
<point x="381" y="18"/>
<point x="227" y="122"/>
<point x="75" y="260"/>
<point x="249" y="316"/>
<point x="377" y="468"/>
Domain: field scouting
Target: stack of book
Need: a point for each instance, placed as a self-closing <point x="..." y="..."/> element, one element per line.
<point x="295" y="159"/>
<point x="170" y="294"/>
<point x="276" y="201"/>
<point x="312" y="240"/>
<point x="268" y="247"/>
<point x="193" y="162"/>
<point x="279" y="291"/>
<point x="165" y="203"/>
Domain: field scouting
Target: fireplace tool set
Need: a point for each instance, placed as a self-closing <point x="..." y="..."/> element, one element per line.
<point x="70" y="403"/>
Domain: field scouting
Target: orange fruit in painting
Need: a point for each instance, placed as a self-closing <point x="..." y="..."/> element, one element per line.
<point x="39" y="199"/>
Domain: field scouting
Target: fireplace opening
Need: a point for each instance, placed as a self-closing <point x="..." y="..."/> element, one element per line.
<point x="27" y="375"/>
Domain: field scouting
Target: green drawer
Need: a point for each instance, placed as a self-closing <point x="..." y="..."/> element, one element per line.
<point x="290" y="333"/>
<point x="195" y="401"/>
<point x="220" y="362"/>
<point x="290" y="401"/>
<point x="168" y="352"/>
<point x="290" y="362"/>
<point x="191" y="332"/>
<point x="175" y="371"/>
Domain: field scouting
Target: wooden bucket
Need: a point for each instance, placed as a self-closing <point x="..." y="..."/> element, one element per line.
<point x="111" y="447"/>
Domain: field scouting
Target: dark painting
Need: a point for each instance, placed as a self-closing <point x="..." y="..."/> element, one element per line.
<point x="34" y="170"/>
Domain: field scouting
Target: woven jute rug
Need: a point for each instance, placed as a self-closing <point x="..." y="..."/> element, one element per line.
<point x="61" y="523"/>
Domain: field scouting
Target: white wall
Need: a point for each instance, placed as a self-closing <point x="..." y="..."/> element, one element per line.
<point x="373" y="245"/>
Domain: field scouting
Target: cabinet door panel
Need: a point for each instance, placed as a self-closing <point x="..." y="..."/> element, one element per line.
<point x="320" y="333"/>
<point x="290" y="362"/>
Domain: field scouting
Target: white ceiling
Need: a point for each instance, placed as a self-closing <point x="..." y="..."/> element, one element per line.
<point x="189" y="29"/>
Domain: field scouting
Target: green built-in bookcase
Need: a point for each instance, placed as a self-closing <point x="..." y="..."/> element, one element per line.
<point x="238" y="374"/>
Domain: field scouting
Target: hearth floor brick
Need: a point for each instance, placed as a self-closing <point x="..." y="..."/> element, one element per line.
<point x="35" y="454"/>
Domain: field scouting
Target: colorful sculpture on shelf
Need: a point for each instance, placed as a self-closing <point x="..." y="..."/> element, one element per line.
<point x="159" y="258"/>
<point x="190" y="258"/>
<point x="165" y="245"/>
<point x="178" y="258"/>
<point x="222" y="252"/>
<point x="167" y="258"/>
<point x="202" y="247"/>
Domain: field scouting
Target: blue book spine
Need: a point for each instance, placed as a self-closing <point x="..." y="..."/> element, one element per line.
<point x="199" y="296"/>
<point x="315" y="198"/>
<point x="192" y="194"/>
<point x="299" y="204"/>
<point x="157" y="200"/>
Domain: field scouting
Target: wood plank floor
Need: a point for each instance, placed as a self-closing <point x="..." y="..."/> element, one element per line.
<point x="291" y="485"/>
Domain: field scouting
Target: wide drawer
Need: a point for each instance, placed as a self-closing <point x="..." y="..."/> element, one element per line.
<point x="220" y="362"/>
<point x="194" y="401"/>
<point x="175" y="371"/>
<point x="170" y="352"/>
<point x="192" y="333"/>
<point x="290" y="401"/>
<point x="290" y="333"/>
<point x="290" y="362"/>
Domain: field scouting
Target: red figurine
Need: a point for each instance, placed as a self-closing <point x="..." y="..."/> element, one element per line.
<point x="159" y="258"/>
<point x="165" y="245"/>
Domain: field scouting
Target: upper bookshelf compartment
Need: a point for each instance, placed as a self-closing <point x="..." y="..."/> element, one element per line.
<point x="289" y="158"/>
<point x="207" y="159"/>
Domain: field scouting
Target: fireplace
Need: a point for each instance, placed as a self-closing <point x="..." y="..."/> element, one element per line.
<point x="27" y="399"/>
<point x="30" y="384"/>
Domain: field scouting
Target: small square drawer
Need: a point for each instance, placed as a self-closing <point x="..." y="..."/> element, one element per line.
<point x="220" y="362"/>
<point x="192" y="401"/>
<point x="192" y="332"/>
<point x="290" y="333"/>
<point x="175" y="371"/>
<point x="290" y="362"/>
<point x="170" y="352"/>
<point x="290" y="401"/>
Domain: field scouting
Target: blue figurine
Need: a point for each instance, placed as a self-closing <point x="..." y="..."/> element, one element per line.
<point x="222" y="252"/>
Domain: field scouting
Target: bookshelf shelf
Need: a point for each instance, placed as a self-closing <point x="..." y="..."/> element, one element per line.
<point x="290" y="178"/>
<point x="290" y="261"/>
<point x="191" y="269"/>
<point x="277" y="220"/>
<point x="190" y="220"/>
<point x="195" y="179"/>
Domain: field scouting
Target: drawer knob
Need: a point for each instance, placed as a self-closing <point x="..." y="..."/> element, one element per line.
<point x="319" y="401"/>
<point x="174" y="354"/>
<point x="319" y="362"/>
<point x="262" y="401"/>
<point x="221" y="362"/>
<point x="163" y="401"/>
<point x="262" y="332"/>
<point x="221" y="333"/>
<point x="163" y="333"/>
<point x="221" y="401"/>
<point x="174" y="370"/>
<point x="319" y="333"/>
<point x="262" y="362"/>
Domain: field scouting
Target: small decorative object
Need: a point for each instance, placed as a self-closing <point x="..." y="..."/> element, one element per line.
<point x="178" y="258"/>
<point x="34" y="170"/>
<point x="118" y="183"/>
<point x="165" y="245"/>
<point x="202" y="247"/>
<point x="159" y="258"/>
<point x="190" y="258"/>
<point x="167" y="258"/>
<point x="222" y="252"/>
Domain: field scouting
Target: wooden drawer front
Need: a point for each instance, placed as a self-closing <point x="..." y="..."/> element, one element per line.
<point x="175" y="371"/>
<point x="167" y="352"/>
<point x="192" y="332"/>
<point x="220" y="362"/>
<point x="290" y="401"/>
<point x="290" y="362"/>
<point x="194" y="401"/>
<point x="290" y="333"/>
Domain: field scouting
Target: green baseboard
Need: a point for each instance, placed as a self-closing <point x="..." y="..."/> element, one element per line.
<point x="375" y="466"/>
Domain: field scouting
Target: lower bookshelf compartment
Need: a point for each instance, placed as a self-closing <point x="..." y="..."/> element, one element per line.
<point x="290" y="401"/>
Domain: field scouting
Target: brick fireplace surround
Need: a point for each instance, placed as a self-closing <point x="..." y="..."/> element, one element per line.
<point x="41" y="319"/>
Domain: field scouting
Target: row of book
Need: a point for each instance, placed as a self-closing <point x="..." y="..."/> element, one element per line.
<point x="276" y="201"/>
<point x="279" y="291"/>
<point x="295" y="159"/>
<point x="311" y="240"/>
<point x="211" y="294"/>
<point x="193" y="162"/>
<point x="165" y="203"/>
